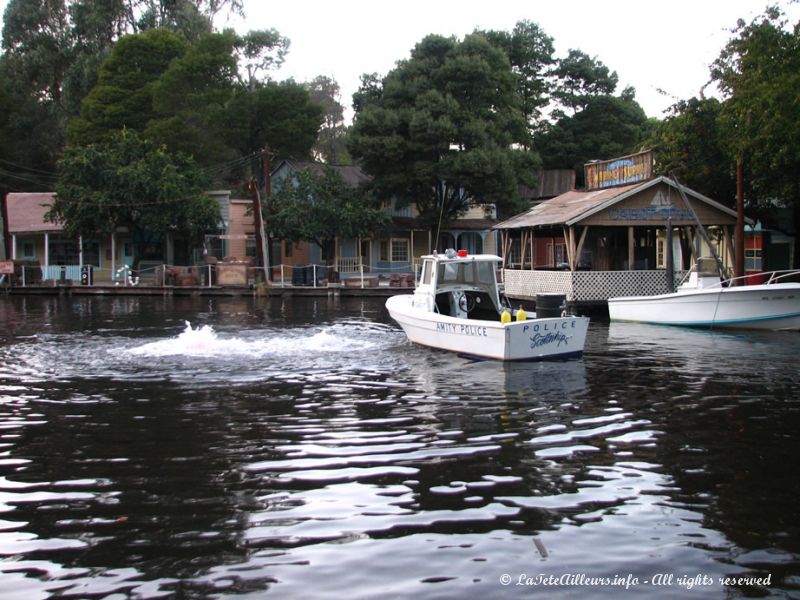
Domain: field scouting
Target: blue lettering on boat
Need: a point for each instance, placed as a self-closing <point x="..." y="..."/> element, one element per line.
<point x="552" y="326"/>
<point x="549" y="338"/>
<point x="462" y="329"/>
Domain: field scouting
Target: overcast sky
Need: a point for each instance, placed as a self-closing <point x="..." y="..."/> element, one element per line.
<point x="666" y="45"/>
<point x="651" y="45"/>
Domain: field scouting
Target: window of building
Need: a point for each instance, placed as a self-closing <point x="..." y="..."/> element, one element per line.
<point x="328" y="250"/>
<point x="28" y="250"/>
<point x="752" y="259"/>
<point x="515" y="253"/>
<point x="63" y="252"/>
<point x="399" y="250"/>
<point x="287" y="252"/>
<point x="91" y="253"/>
<point x="556" y="254"/>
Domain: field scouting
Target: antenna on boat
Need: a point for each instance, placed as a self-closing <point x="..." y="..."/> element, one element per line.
<point x="700" y="227"/>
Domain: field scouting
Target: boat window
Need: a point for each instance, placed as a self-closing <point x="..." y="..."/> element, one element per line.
<point x="485" y="272"/>
<point x="427" y="271"/>
<point x="449" y="273"/>
<point x="470" y="273"/>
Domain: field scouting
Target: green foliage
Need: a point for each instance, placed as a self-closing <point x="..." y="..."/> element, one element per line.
<point x="322" y="207"/>
<point x="280" y="115"/>
<point x="129" y="182"/>
<point x="758" y="71"/>
<point x="331" y="142"/>
<point x="123" y="96"/>
<point x="260" y="51"/>
<point x="606" y="127"/>
<point x="190" y="100"/>
<point x="582" y="78"/>
<point x="530" y="52"/>
<point x="440" y="129"/>
<point x="689" y="145"/>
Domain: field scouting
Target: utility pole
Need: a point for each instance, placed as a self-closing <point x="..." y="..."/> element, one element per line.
<point x="739" y="235"/>
<point x="261" y="248"/>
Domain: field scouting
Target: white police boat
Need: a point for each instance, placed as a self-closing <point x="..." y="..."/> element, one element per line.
<point x="456" y="306"/>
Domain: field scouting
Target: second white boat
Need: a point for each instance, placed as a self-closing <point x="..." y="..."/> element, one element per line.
<point x="705" y="300"/>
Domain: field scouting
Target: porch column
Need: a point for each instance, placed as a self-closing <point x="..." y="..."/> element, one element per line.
<point x="411" y="254"/>
<point x="46" y="250"/>
<point x="631" y="248"/>
<point x="570" y="239"/>
<point x="729" y="250"/>
<point x="581" y="242"/>
<point x="113" y="255"/>
<point x="80" y="250"/>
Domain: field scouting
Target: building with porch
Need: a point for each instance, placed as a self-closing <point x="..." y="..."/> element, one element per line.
<point x="399" y="251"/>
<point x="612" y="240"/>
<point x="34" y="240"/>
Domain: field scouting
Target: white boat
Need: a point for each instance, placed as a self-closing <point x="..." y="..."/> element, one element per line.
<point x="456" y="306"/>
<point x="706" y="300"/>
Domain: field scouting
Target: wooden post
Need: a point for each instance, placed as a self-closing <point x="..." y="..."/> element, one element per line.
<point x="581" y="242"/>
<point x="631" y="248"/>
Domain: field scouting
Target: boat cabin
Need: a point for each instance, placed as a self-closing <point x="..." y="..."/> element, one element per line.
<point x="460" y="285"/>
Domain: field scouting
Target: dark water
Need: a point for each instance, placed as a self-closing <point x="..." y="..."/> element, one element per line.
<point x="302" y="448"/>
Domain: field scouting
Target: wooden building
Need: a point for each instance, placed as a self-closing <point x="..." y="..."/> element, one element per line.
<point x="612" y="241"/>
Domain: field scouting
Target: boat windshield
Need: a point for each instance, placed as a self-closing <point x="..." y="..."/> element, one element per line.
<point x="479" y="274"/>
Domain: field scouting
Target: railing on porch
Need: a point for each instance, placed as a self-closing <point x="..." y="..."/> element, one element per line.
<point x="349" y="264"/>
<point x="57" y="272"/>
<point x="214" y="275"/>
<point x="587" y="286"/>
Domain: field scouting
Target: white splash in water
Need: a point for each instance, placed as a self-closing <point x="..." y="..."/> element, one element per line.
<point x="204" y="341"/>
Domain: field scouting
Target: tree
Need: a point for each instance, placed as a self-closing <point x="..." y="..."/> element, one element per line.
<point x="758" y="72"/>
<point x="330" y="146"/>
<point x="581" y="78"/>
<point x="689" y="145"/>
<point x="530" y="52"/>
<point x="129" y="182"/>
<point x="442" y="130"/>
<point x="279" y="115"/>
<point x="316" y="208"/>
<point x="260" y="51"/>
<point x="123" y="96"/>
<point x="606" y="127"/>
<point x="191" y="98"/>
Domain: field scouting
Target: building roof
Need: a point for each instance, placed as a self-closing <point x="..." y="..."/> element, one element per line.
<point x="26" y="212"/>
<point x="575" y="206"/>
<point x="352" y="175"/>
<point x="549" y="183"/>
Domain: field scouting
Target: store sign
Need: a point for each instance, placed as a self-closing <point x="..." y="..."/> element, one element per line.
<point x="619" y="171"/>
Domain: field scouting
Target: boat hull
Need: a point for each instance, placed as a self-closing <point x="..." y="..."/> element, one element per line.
<point x="533" y="339"/>
<point x="770" y="307"/>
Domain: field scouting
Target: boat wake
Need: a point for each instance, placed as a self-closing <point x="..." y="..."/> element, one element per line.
<point x="204" y="341"/>
<point x="202" y="354"/>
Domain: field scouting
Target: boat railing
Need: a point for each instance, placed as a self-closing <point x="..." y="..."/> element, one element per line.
<point x="763" y="278"/>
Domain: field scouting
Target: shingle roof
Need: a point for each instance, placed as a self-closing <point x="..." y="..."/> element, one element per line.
<point x="574" y="206"/>
<point x="26" y="212"/>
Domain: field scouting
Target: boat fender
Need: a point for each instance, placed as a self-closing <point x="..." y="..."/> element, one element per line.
<point x="505" y="316"/>
<point x="521" y="314"/>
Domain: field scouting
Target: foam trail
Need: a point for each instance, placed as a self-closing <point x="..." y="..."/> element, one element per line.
<point x="204" y="341"/>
